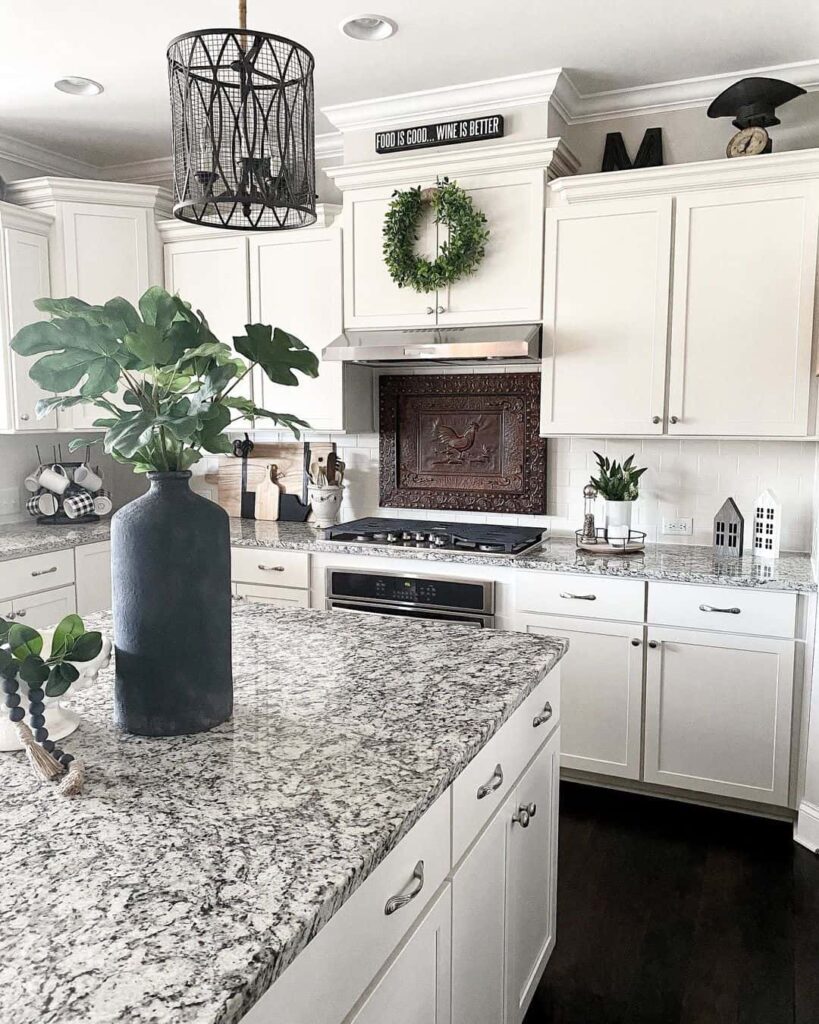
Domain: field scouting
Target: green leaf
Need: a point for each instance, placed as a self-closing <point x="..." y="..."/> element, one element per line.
<point x="130" y="433"/>
<point x="5" y="626"/>
<point x="150" y="346"/>
<point x="121" y="316"/>
<point x="60" y="678"/>
<point x="158" y="308"/>
<point x="85" y="647"/>
<point x="68" y="307"/>
<point x="42" y="336"/>
<point x="187" y="457"/>
<point x="246" y="405"/>
<point x="68" y="630"/>
<point x="23" y="641"/>
<point x="34" y="671"/>
<point x="277" y="352"/>
<point x="88" y="350"/>
<point x="8" y="666"/>
<point x="45" y="405"/>
<point x="282" y="419"/>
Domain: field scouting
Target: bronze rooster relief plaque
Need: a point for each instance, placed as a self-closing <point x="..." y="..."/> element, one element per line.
<point x="462" y="441"/>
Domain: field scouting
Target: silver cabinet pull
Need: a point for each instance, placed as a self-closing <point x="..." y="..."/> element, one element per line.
<point x="656" y="419"/>
<point x="24" y="417"/>
<point x="271" y="568"/>
<point x="653" y="644"/>
<point x="635" y="643"/>
<point x="524" y="814"/>
<point x="725" y="611"/>
<point x="441" y="309"/>
<point x="43" y="572"/>
<point x="10" y="616"/>
<point x="21" y="614"/>
<point x="494" y="783"/>
<point x="396" y="902"/>
<point x="578" y="597"/>
<point x="675" y="419"/>
<point x="430" y="310"/>
<point x="544" y="715"/>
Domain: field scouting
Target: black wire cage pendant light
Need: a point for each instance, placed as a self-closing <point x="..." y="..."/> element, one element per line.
<point x="243" y="129"/>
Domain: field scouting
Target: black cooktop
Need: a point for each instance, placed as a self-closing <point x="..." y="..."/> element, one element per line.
<point x="443" y="536"/>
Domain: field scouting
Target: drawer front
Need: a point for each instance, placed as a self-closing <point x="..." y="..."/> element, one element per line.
<point x="325" y="980"/>
<point x="725" y="609"/>
<point x="281" y="597"/>
<point x="591" y="597"/>
<point x="485" y="782"/>
<point x="36" y="572"/>
<point x="270" y="568"/>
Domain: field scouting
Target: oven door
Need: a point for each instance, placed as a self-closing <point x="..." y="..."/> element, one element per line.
<point x="467" y="618"/>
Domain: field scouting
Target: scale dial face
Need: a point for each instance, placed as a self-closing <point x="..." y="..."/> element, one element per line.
<point x="748" y="142"/>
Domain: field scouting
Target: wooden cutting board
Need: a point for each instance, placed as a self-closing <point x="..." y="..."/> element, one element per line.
<point x="267" y="496"/>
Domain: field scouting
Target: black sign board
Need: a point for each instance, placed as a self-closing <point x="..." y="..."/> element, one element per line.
<point x="446" y="133"/>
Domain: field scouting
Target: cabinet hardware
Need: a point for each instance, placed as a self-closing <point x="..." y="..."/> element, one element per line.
<point x="10" y="616"/>
<point x="494" y="783"/>
<point x="21" y="614"/>
<point x="635" y="643"/>
<point x="578" y="597"/>
<point x="656" y="419"/>
<point x="43" y="572"/>
<point x="524" y="814"/>
<point x="544" y="715"/>
<point x="24" y="416"/>
<point x="270" y="568"/>
<point x="675" y="419"/>
<point x="725" y="611"/>
<point x="441" y="309"/>
<point x="430" y="310"/>
<point x="653" y="644"/>
<point x="396" y="902"/>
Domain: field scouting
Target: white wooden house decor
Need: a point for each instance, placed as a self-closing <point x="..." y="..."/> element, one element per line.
<point x="767" y="529"/>
<point x="728" y="527"/>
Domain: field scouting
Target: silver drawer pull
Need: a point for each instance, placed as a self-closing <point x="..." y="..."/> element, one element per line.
<point x="494" y="783"/>
<point x="396" y="902"/>
<point x="43" y="572"/>
<point x="271" y="568"/>
<point x="578" y="597"/>
<point x="544" y="715"/>
<point x="726" y="611"/>
<point x="524" y="814"/>
<point x="20" y="613"/>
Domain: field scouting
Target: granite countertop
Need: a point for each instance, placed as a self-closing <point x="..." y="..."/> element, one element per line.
<point x="193" y="870"/>
<point x="677" y="563"/>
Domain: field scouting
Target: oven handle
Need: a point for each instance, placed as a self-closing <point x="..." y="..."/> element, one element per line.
<point x="406" y="611"/>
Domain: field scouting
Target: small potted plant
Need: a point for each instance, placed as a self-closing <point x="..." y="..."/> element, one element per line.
<point x="617" y="484"/>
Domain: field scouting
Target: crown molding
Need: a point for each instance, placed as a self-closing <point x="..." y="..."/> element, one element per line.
<point x="450" y="101"/>
<point x="13" y="216"/>
<point x="766" y="168"/>
<point x="44" y="160"/>
<point x="173" y="230"/>
<point x="44" y="193"/>
<point x="158" y="171"/>
<point x="329" y="146"/>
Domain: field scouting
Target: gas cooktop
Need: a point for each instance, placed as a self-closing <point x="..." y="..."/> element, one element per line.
<point x="440" y="536"/>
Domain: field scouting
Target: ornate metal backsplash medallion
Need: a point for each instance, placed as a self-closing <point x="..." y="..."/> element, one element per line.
<point x="462" y="441"/>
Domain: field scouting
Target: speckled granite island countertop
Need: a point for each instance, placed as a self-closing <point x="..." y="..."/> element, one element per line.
<point x="193" y="870"/>
<point x="676" y="563"/>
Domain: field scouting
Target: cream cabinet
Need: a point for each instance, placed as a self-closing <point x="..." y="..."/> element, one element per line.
<point x="92" y="568"/>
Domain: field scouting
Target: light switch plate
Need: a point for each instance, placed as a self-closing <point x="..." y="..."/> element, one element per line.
<point x="681" y="527"/>
<point x="9" y="501"/>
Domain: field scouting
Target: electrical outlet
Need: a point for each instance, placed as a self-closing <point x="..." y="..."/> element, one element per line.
<point x="9" y="501"/>
<point x="682" y="527"/>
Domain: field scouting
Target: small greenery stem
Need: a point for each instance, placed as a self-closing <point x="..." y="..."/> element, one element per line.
<point x="616" y="482"/>
<point x="160" y="375"/>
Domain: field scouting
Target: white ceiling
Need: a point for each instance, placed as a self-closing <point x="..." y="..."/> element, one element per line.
<point x="605" y="44"/>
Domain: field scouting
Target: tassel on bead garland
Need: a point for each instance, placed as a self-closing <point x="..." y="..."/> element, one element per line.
<point x="40" y="760"/>
<point x="71" y="785"/>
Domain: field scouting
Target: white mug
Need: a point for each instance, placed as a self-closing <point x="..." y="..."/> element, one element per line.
<point x="54" y="478"/>
<point x="32" y="481"/>
<point x="103" y="503"/>
<point x="87" y="478"/>
<point x="78" y="504"/>
<point x="44" y="504"/>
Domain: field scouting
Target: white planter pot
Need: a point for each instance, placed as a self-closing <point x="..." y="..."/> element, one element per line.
<point x="618" y="519"/>
<point x="326" y="502"/>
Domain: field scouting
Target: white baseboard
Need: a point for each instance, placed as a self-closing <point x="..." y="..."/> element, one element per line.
<point x="806" y="828"/>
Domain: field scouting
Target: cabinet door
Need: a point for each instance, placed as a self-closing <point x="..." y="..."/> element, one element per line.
<point x="602" y="694"/>
<point x="605" y="317"/>
<point x="92" y="568"/>
<point x="742" y="314"/>
<point x="26" y="279"/>
<point x="212" y="274"/>
<point x="478" y="895"/>
<point x="281" y="597"/>
<point x="46" y="609"/>
<point x="415" y="988"/>
<point x="295" y="284"/>
<point x="371" y="297"/>
<point x="531" y="879"/>
<point x="718" y="713"/>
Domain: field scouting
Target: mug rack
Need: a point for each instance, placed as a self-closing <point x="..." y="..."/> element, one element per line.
<point x="60" y="518"/>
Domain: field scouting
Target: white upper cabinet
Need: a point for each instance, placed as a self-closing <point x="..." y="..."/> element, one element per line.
<point x="742" y="314"/>
<point x="605" y="317"/>
<point x="720" y="320"/>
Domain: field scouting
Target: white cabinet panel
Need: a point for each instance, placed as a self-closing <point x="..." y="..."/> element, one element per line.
<point x="718" y="713"/>
<point x="26" y="279"/>
<point x="415" y="989"/>
<point x="270" y="568"/>
<point x="280" y="597"/>
<point x="602" y="694"/>
<point x="605" y="317"/>
<point x="45" y="609"/>
<point x="46" y="571"/>
<point x="531" y="879"/>
<point x="92" y="564"/>
<point x="574" y="594"/>
<point x="742" y="313"/>
<point x="725" y="609"/>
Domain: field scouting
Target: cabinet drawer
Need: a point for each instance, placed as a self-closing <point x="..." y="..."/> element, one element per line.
<point x="36" y="572"/>
<point x="726" y="609"/>
<point x="483" y="785"/>
<point x="574" y="594"/>
<point x="281" y="597"/>
<point x="325" y="980"/>
<point x="268" y="567"/>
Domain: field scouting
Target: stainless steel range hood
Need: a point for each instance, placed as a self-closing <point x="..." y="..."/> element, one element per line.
<point x="436" y="344"/>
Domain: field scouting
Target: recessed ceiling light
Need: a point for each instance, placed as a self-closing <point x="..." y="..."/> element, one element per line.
<point x="369" y="27"/>
<point x="77" y="86"/>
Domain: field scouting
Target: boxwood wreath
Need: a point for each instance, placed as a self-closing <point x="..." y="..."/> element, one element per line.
<point x="457" y="258"/>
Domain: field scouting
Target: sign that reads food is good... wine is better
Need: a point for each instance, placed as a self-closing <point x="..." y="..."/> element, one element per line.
<point x="446" y="133"/>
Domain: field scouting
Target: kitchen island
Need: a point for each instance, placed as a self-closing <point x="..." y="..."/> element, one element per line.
<point x="193" y="871"/>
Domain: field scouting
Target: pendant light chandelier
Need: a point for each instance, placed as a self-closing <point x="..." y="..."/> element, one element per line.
<point x="243" y="132"/>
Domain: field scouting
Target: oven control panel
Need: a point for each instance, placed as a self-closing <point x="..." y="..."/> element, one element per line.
<point x="389" y="588"/>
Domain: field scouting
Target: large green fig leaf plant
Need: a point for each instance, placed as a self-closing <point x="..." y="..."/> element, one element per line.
<point x="165" y="383"/>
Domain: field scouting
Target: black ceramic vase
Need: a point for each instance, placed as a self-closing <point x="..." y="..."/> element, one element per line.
<point x="170" y="559"/>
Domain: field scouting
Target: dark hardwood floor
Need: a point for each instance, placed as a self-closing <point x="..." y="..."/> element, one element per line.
<point x="672" y="914"/>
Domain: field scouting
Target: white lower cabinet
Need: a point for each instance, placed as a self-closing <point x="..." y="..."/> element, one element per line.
<point x="44" y="609"/>
<point x="280" y="597"/>
<point x="92" y="567"/>
<point x="415" y="988"/>
<point x="718" y="713"/>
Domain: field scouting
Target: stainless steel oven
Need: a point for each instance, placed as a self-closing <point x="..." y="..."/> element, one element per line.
<point x="471" y="602"/>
